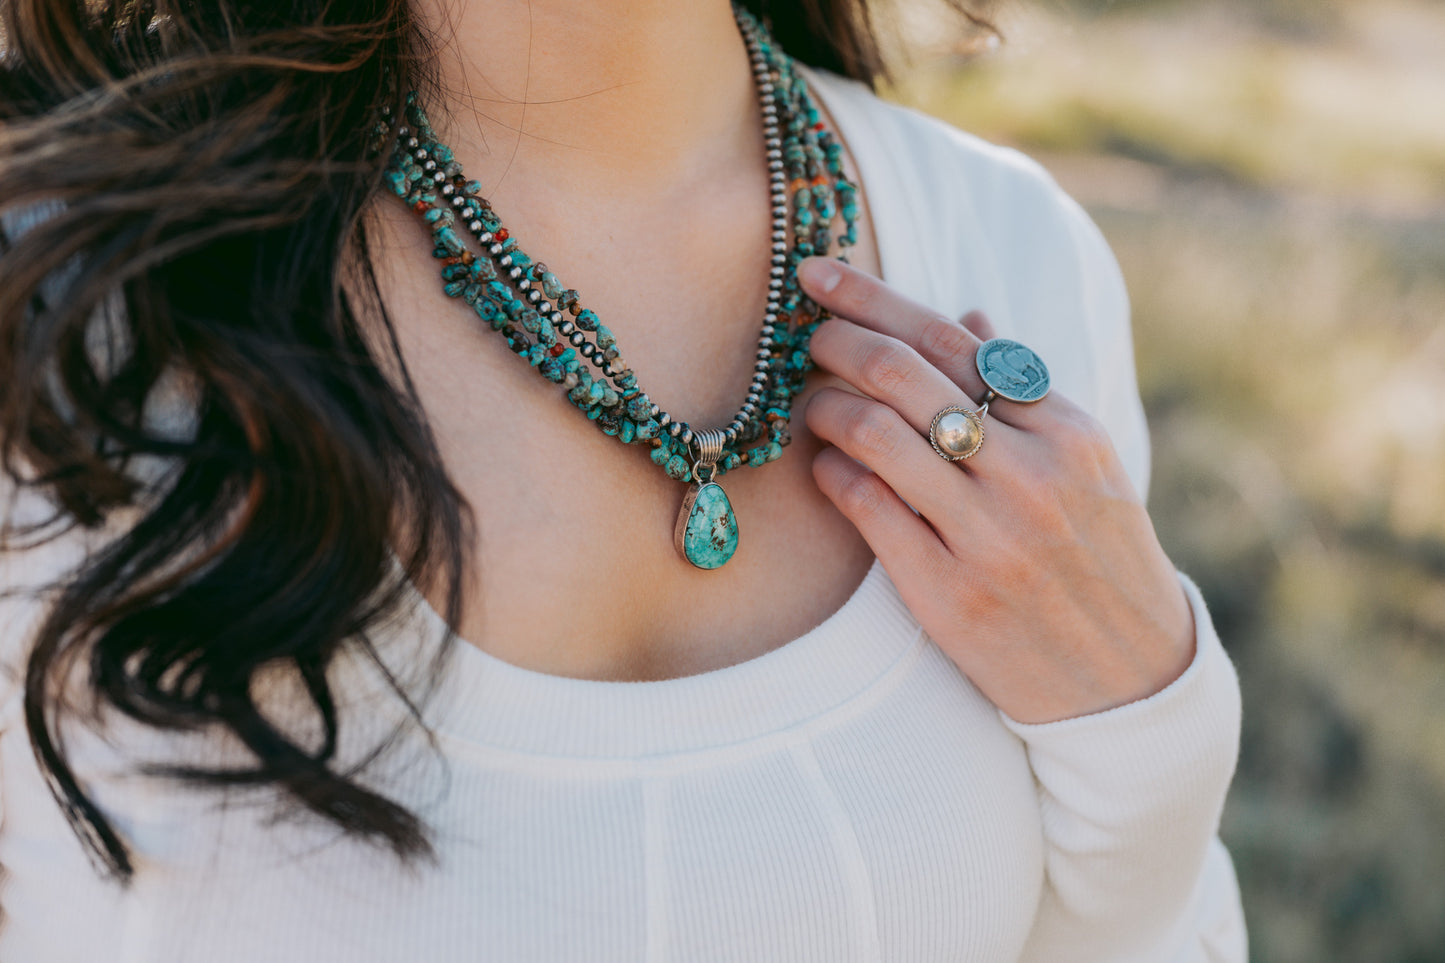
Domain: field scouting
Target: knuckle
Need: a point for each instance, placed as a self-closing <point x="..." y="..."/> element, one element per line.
<point x="857" y="294"/>
<point x="1043" y="502"/>
<point x="1082" y="438"/>
<point x="886" y="367"/>
<point x="872" y="430"/>
<point x="1035" y="492"/>
<point x="861" y="496"/>
<point x="941" y="338"/>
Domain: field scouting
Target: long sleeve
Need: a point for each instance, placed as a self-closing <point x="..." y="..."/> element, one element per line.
<point x="1131" y="800"/>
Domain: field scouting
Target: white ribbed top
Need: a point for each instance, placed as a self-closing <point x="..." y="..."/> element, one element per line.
<point x="849" y="796"/>
<point x="855" y="655"/>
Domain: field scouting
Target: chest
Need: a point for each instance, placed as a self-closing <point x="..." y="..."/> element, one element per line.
<point x="575" y="572"/>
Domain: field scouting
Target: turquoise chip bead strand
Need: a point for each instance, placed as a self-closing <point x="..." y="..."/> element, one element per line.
<point x="544" y="322"/>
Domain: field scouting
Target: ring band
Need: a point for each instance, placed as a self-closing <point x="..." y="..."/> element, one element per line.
<point x="956" y="432"/>
<point x="989" y="395"/>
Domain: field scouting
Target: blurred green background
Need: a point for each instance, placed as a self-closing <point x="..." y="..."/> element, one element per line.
<point x="1272" y="177"/>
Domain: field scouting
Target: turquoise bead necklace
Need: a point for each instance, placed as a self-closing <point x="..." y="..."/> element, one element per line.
<point x="545" y="323"/>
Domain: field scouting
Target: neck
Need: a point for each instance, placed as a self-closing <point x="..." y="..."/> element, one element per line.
<point x="630" y="97"/>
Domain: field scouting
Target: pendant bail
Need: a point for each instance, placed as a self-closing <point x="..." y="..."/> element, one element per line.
<point x="708" y="444"/>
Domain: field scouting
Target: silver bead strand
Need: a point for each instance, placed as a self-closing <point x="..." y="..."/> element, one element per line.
<point x="777" y="266"/>
<point x="470" y="209"/>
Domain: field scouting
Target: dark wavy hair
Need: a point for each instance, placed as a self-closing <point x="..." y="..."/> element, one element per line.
<point x="211" y="162"/>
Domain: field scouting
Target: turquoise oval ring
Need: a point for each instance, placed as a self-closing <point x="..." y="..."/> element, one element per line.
<point x="1012" y="370"/>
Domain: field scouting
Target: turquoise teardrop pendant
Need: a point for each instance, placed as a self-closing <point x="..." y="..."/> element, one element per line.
<point x="707" y="529"/>
<point x="706" y="533"/>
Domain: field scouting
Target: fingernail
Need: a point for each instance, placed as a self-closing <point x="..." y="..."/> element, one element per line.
<point x="819" y="273"/>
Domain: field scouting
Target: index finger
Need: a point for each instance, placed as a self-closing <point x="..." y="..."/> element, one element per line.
<point x="861" y="298"/>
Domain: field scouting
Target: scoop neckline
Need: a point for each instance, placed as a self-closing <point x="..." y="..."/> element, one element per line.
<point x="485" y="699"/>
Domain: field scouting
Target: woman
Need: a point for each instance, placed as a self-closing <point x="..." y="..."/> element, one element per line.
<point x="923" y="687"/>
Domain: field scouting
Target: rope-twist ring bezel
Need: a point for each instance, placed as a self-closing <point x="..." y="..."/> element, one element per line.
<point x="975" y="421"/>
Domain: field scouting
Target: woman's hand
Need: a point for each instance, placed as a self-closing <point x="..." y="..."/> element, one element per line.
<point x="1032" y="564"/>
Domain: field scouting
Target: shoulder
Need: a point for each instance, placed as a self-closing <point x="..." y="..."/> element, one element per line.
<point x="947" y="168"/>
<point x="985" y="222"/>
<point x="965" y="224"/>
